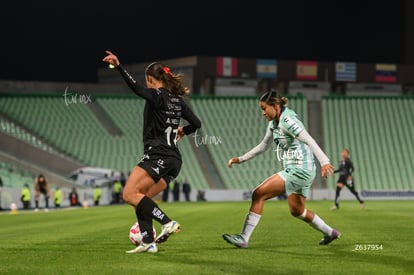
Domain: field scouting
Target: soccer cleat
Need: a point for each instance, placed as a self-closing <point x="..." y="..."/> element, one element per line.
<point x="334" y="207"/>
<point x="236" y="240"/>
<point x="46" y="209"/>
<point x="144" y="247"/>
<point x="166" y="230"/>
<point x="362" y="205"/>
<point x="328" y="239"/>
<point x="36" y="210"/>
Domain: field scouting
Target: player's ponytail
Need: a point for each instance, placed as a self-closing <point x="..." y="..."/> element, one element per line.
<point x="273" y="98"/>
<point x="172" y="82"/>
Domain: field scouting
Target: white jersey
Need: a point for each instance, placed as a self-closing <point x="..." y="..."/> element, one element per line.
<point x="294" y="146"/>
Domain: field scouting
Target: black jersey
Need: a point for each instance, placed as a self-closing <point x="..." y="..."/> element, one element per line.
<point x="162" y="115"/>
<point x="346" y="167"/>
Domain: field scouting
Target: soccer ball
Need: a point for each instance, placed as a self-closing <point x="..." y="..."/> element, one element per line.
<point x="135" y="234"/>
<point x="13" y="206"/>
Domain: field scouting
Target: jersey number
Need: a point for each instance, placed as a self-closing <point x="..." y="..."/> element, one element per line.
<point x="168" y="132"/>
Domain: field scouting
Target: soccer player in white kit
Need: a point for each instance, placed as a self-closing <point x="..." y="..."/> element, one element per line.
<point x="297" y="149"/>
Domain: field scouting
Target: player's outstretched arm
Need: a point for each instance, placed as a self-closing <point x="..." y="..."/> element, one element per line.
<point x="135" y="86"/>
<point x="258" y="149"/>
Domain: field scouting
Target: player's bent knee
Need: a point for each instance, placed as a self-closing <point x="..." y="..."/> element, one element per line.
<point x="256" y="196"/>
<point x="127" y="197"/>
<point x="298" y="213"/>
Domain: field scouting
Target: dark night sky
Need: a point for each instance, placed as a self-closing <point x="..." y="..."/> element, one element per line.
<point x="65" y="40"/>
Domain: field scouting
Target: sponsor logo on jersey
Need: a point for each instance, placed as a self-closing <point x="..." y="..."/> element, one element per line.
<point x="156" y="170"/>
<point x="160" y="163"/>
<point x="277" y="131"/>
<point x="146" y="156"/>
<point x="170" y="106"/>
<point x="173" y="121"/>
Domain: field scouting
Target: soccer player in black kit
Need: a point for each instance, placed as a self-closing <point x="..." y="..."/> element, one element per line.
<point x="345" y="170"/>
<point x="161" y="163"/>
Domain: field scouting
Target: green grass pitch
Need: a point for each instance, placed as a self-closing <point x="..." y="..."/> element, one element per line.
<point x="94" y="241"/>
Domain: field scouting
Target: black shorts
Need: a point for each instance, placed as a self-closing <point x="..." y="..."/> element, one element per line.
<point x="159" y="166"/>
<point x="344" y="180"/>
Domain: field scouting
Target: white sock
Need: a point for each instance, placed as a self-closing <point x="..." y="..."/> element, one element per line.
<point x="252" y="219"/>
<point x="320" y="225"/>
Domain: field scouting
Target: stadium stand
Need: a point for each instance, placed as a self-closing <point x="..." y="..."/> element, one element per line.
<point x="239" y="125"/>
<point x="10" y="128"/>
<point x="13" y="177"/>
<point x="231" y="126"/>
<point x="379" y="132"/>
<point x="75" y="131"/>
<point x="127" y="114"/>
<point x="71" y="128"/>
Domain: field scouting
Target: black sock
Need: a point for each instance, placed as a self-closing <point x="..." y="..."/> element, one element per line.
<point x="145" y="227"/>
<point x="36" y="204"/>
<point x="338" y="190"/>
<point x="47" y="202"/>
<point x="356" y="195"/>
<point x="150" y="209"/>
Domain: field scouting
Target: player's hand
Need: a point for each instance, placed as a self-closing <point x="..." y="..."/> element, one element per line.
<point x="180" y="133"/>
<point x="233" y="160"/>
<point x="349" y="178"/>
<point x="327" y="170"/>
<point x="111" y="59"/>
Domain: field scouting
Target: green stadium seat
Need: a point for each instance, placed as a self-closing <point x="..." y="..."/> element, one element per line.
<point x="240" y="125"/>
<point x="378" y="132"/>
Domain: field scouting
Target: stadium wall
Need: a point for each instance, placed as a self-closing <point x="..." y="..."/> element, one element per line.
<point x="12" y="195"/>
<point x="59" y="88"/>
<point x="315" y="194"/>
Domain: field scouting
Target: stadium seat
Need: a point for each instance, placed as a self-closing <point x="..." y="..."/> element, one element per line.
<point x="378" y="132"/>
<point x="240" y="126"/>
<point x="12" y="177"/>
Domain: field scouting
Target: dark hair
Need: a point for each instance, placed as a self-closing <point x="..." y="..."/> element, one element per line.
<point x="41" y="176"/>
<point x="172" y="82"/>
<point x="273" y="98"/>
